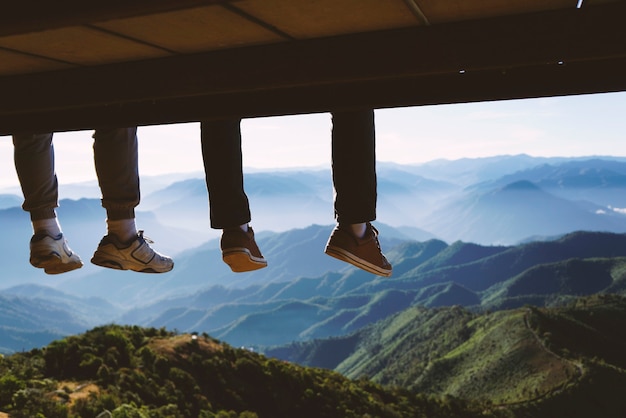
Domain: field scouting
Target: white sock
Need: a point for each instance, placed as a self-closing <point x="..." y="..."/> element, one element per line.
<point x="49" y="225"/>
<point x="123" y="229"/>
<point x="358" y="229"/>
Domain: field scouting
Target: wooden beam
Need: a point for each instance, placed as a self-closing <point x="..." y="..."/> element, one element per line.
<point x="382" y="69"/>
<point x="25" y="16"/>
<point x="522" y="82"/>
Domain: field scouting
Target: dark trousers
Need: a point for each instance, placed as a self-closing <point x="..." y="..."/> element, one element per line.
<point x="116" y="162"/>
<point x="221" y="153"/>
<point x="354" y="166"/>
<point x="354" y="169"/>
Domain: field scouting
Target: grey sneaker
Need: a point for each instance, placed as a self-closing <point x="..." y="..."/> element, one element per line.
<point x="52" y="254"/>
<point x="363" y="253"/>
<point x="134" y="255"/>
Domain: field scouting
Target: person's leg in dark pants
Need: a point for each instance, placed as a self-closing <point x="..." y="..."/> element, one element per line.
<point x="354" y="166"/>
<point x="228" y="204"/>
<point x="355" y="240"/>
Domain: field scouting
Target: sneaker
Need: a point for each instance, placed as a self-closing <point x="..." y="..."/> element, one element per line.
<point x="52" y="254"/>
<point x="239" y="250"/>
<point x="135" y="255"/>
<point x="363" y="253"/>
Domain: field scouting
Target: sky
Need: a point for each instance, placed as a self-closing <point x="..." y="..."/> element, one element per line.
<point x="569" y="126"/>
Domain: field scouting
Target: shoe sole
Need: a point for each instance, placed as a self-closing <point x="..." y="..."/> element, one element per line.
<point x="240" y="260"/>
<point x="121" y="265"/>
<point x="52" y="264"/>
<point x="348" y="257"/>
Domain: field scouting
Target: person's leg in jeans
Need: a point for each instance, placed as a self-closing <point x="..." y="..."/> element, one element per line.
<point x="34" y="164"/>
<point x="228" y="204"/>
<point x="355" y="240"/>
<point x="116" y="162"/>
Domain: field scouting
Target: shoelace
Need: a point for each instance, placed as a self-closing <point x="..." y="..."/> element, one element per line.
<point x="375" y="236"/>
<point x="142" y="237"/>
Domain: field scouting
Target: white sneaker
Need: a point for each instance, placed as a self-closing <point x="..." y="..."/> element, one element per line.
<point x="135" y="255"/>
<point x="52" y="254"/>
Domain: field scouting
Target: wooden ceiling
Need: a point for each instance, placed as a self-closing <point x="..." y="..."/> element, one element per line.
<point x="72" y="64"/>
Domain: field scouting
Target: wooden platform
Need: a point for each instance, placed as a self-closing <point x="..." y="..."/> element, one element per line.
<point x="70" y="64"/>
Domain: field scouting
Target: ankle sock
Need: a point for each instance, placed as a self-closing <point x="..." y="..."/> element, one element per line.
<point x="49" y="225"/>
<point x="358" y="230"/>
<point x="123" y="229"/>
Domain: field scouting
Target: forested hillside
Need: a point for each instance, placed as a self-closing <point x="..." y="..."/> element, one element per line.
<point x="139" y="372"/>
<point x="533" y="361"/>
<point x="443" y="362"/>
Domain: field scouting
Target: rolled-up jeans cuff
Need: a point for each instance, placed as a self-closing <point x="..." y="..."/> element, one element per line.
<point x="45" y="213"/>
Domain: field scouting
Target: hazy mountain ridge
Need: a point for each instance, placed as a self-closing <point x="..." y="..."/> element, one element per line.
<point x="516" y="211"/>
<point x="428" y="196"/>
<point x="594" y="180"/>
<point x="27" y="322"/>
<point x="298" y="268"/>
<point x="9" y="201"/>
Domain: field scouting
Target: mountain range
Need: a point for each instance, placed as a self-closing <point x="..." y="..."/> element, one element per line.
<point x="429" y="274"/>
<point x="480" y="233"/>
<point x="507" y="299"/>
<point x="341" y="301"/>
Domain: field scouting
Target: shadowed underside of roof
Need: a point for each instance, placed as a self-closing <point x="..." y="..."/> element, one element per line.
<point x="68" y="65"/>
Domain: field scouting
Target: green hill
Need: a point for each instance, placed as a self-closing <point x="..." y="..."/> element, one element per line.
<point x="529" y="360"/>
<point x="140" y="373"/>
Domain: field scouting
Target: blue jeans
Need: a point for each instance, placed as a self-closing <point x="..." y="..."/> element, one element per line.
<point x="116" y="162"/>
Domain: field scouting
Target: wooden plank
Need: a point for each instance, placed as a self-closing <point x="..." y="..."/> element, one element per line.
<point x="81" y="46"/>
<point x="18" y="63"/>
<point x="312" y="19"/>
<point x="25" y="16"/>
<point x="193" y="30"/>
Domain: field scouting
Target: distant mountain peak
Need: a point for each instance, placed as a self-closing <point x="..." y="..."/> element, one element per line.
<point x="521" y="185"/>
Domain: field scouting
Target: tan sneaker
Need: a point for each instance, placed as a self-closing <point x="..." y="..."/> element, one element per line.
<point x="135" y="255"/>
<point x="52" y="254"/>
<point x="240" y="252"/>
<point x="363" y="253"/>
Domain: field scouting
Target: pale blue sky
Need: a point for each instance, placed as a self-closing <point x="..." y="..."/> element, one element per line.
<point x="560" y="126"/>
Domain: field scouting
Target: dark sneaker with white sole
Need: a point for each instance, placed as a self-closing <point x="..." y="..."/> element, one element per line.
<point x="240" y="251"/>
<point x="52" y="254"/>
<point x="135" y="255"/>
<point x="364" y="253"/>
